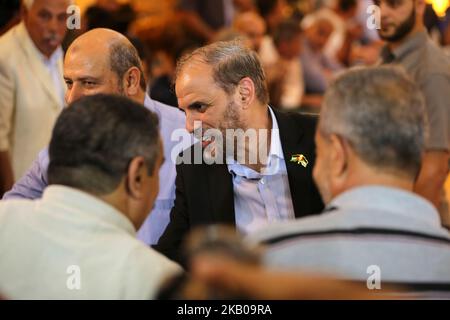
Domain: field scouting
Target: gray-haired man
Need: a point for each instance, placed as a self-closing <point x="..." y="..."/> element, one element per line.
<point x="370" y="140"/>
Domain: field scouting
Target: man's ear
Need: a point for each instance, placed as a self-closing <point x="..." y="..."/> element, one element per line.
<point x="132" y="81"/>
<point x="246" y="92"/>
<point x="339" y="158"/>
<point x="135" y="176"/>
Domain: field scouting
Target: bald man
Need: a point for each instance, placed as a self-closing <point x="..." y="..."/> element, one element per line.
<point x="104" y="61"/>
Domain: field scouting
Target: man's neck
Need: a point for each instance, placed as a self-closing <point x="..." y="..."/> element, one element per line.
<point x="261" y="122"/>
<point x="382" y="177"/>
<point x="140" y="97"/>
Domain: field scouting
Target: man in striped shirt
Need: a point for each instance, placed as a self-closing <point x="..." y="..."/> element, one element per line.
<point x="370" y="141"/>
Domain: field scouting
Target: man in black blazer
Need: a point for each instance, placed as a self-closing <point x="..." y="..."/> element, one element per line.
<point x="222" y="88"/>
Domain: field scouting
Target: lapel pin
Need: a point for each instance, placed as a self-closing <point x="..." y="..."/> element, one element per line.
<point x="300" y="159"/>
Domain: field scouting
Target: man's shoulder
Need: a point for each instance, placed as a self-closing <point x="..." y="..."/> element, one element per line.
<point x="9" y="44"/>
<point x="290" y="120"/>
<point x="431" y="61"/>
<point x="13" y="210"/>
<point x="293" y="229"/>
<point x="170" y="115"/>
<point x="148" y="263"/>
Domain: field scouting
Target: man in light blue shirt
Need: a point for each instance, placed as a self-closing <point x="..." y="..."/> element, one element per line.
<point x="261" y="198"/>
<point x="87" y="72"/>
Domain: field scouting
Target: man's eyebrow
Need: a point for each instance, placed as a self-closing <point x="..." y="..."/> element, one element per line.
<point x="84" y="78"/>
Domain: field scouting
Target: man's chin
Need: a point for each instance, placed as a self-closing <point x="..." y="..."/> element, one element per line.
<point x="386" y="34"/>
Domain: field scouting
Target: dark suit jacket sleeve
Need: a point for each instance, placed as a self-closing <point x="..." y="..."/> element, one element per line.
<point x="170" y="242"/>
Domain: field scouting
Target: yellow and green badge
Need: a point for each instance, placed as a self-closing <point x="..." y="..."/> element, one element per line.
<point x="300" y="159"/>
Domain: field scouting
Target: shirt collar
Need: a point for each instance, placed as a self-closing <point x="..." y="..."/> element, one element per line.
<point x="411" y="44"/>
<point x="54" y="58"/>
<point x="149" y="103"/>
<point x="83" y="202"/>
<point x="275" y="157"/>
<point x="275" y="142"/>
<point x="389" y="199"/>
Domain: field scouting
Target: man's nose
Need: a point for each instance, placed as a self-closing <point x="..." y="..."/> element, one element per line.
<point x="73" y="94"/>
<point x="189" y="122"/>
<point x="53" y="24"/>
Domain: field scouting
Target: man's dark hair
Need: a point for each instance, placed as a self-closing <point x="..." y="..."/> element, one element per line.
<point x="96" y="137"/>
<point x="286" y="31"/>
<point x="346" y="5"/>
<point x="8" y="9"/>
<point x="122" y="58"/>
<point x="265" y="7"/>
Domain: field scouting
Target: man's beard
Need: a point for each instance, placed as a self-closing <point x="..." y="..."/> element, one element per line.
<point x="230" y="121"/>
<point x="402" y="30"/>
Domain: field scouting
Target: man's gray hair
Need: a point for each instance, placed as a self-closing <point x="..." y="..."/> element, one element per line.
<point x="380" y="112"/>
<point x="123" y="56"/>
<point x="231" y="61"/>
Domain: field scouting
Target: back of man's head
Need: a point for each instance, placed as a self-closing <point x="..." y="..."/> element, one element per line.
<point x="380" y="112"/>
<point x="96" y="138"/>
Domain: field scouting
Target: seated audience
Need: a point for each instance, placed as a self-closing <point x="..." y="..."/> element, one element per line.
<point x="318" y="69"/>
<point x="253" y="26"/>
<point x="79" y="240"/>
<point x="285" y="74"/>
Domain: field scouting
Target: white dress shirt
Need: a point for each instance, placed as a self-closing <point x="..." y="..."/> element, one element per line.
<point x="71" y="245"/>
<point x="52" y="65"/>
<point x="261" y="198"/>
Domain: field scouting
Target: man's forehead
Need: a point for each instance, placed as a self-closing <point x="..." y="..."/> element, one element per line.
<point x="86" y="73"/>
<point x="59" y="6"/>
<point x="195" y="77"/>
<point x="81" y="59"/>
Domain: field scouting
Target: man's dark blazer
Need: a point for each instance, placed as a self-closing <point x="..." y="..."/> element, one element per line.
<point x="204" y="193"/>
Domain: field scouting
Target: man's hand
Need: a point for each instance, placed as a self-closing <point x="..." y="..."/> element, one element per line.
<point x="256" y="282"/>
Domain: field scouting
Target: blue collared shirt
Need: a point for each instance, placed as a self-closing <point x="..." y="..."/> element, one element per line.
<point x="33" y="183"/>
<point x="262" y="197"/>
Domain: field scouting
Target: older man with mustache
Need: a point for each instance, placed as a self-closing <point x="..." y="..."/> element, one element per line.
<point x="104" y="61"/>
<point x="31" y="85"/>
